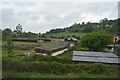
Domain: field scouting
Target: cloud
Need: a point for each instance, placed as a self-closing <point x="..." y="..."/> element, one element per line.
<point x="43" y="16"/>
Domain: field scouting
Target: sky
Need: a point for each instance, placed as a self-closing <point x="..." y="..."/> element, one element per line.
<point x="44" y="16"/>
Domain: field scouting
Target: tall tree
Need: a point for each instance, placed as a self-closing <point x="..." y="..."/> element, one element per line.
<point x="10" y="46"/>
<point x="19" y="29"/>
<point x="6" y="33"/>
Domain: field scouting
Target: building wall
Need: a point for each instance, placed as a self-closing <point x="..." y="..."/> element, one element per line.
<point x="40" y="40"/>
<point x="41" y="51"/>
<point x="53" y="52"/>
<point x="24" y="40"/>
<point x="57" y="39"/>
<point x="59" y="52"/>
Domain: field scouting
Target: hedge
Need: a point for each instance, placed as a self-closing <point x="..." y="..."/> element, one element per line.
<point x="41" y="58"/>
<point x="57" y="68"/>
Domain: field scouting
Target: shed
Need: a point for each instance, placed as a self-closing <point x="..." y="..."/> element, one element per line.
<point x="55" y="49"/>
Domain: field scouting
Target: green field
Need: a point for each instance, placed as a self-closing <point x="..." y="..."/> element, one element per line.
<point x="41" y="43"/>
<point x="66" y="34"/>
<point x="5" y="55"/>
<point x="15" y="74"/>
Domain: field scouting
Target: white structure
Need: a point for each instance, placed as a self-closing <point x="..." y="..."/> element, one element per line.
<point x="59" y="52"/>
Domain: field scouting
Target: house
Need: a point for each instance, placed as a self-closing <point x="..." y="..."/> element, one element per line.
<point x="116" y="46"/>
<point x="95" y="57"/>
<point x="116" y="40"/>
<point x="58" y="39"/>
<point x="73" y="40"/>
<point x="53" y="50"/>
<point x="49" y="39"/>
<point x="44" y="40"/>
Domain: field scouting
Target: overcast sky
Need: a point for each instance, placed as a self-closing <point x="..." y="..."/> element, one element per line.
<point x="43" y="16"/>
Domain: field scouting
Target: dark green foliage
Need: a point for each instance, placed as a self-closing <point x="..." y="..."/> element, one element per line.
<point x="99" y="68"/>
<point x="6" y="33"/>
<point x="10" y="46"/>
<point x="111" y="26"/>
<point x="41" y="58"/>
<point x="28" y="35"/>
<point x="96" y="41"/>
<point x="57" y="68"/>
<point x="89" y="27"/>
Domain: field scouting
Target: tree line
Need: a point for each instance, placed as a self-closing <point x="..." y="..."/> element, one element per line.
<point x="17" y="33"/>
<point x="110" y="26"/>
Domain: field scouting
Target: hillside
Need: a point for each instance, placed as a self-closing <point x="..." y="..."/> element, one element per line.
<point x="110" y="26"/>
<point x="76" y="30"/>
<point x="65" y="35"/>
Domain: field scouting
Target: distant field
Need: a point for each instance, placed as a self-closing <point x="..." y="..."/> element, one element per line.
<point x="42" y="43"/>
<point x="66" y="34"/>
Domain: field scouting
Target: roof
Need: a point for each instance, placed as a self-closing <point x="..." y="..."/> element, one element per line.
<point x="94" y="54"/>
<point x="113" y="45"/>
<point x="53" y="47"/>
<point x="96" y="59"/>
<point x="89" y="56"/>
<point x="72" y="38"/>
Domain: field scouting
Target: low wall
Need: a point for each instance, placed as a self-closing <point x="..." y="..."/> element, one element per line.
<point x="59" y="52"/>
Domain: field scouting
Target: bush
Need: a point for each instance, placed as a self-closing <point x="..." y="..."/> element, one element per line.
<point x="97" y="68"/>
<point x="56" y="68"/>
<point x="100" y="68"/>
<point x="42" y="58"/>
<point x="96" y="41"/>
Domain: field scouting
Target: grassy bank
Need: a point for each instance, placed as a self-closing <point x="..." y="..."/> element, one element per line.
<point x="66" y="54"/>
<point x="65" y="35"/>
<point x="11" y="74"/>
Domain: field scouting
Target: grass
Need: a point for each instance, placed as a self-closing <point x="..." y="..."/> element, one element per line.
<point x="4" y="50"/>
<point x="5" y="55"/>
<point x="66" y="53"/>
<point x="66" y="34"/>
<point x="11" y="74"/>
<point x="42" y="43"/>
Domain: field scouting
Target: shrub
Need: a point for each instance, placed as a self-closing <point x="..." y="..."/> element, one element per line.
<point x="56" y="68"/>
<point x="96" y="41"/>
<point x="100" y="68"/>
<point x="42" y="58"/>
<point x="97" y="68"/>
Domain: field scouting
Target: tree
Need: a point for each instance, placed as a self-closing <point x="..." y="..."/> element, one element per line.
<point x="96" y="41"/>
<point x="6" y="33"/>
<point x="10" y="46"/>
<point x="19" y="29"/>
<point x="88" y="29"/>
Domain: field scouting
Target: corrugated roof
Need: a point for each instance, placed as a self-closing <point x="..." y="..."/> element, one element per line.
<point x="55" y="46"/>
<point x="94" y="54"/>
<point x="89" y="56"/>
<point x="96" y="59"/>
